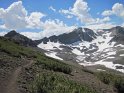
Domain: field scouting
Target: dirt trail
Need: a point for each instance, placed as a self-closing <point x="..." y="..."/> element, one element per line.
<point x="12" y="86"/>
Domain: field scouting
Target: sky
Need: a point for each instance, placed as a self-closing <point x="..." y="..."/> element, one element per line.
<point x="37" y="19"/>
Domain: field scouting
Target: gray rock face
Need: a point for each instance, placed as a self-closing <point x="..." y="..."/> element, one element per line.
<point x="117" y="31"/>
<point x="79" y="34"/>
<point x="118" y="34"/>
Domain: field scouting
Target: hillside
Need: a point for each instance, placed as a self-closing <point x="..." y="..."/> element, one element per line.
<point x="25" y="70"/>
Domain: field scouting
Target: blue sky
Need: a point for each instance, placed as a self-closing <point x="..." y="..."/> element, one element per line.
<point x="60" y="14"/>
<point x="96" y="6"/>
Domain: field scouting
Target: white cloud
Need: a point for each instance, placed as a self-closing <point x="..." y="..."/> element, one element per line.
<point x="98" y="20"/>
<point x="16" y="17"/>
<point x="117" y="9"/>
<point x="50" y="27"/>
<point x="122" y="25"/>
<point x="53" y="9"/>
<point x="34" y="20"/>
<point x="32" y="35"/>
<point x="69" y="16"/>
<point x="55" y="27"/>
<point x="107" y="13"/>
<point x="3" y="27"/>
<point x="80" y="9"/>
<point x="3" y="33"/>
<point x="100" y="26"/>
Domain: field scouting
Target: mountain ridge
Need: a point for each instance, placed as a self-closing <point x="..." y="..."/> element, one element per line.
<point x="79" y="34"/>
<point x="20" y="39"/>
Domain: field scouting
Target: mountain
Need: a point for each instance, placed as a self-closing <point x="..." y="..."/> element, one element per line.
<point x="118" y="34"/>
<point x="20" y="39"/>
<point x="79" y="34"/>
<point x="26" y="70"/>
<point x="88" y="48"/>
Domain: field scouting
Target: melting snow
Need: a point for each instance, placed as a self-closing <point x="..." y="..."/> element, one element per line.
<point x="122" y="55"/>
<point x="120" y="45"/>
<point x="110" y="57"/>
<point x="80" y="58"/>
<point x="111" y="53"/>
<point x="50" y="46"/>
<point x="77" y="52"/>
<point x="109" y="65"/>
<point x="102" y="42"/>
<point x="101" y="70"/>
<point x="53" y="55"/>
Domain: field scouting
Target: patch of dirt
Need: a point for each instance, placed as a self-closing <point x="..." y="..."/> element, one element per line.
<point x="10" y="74"/>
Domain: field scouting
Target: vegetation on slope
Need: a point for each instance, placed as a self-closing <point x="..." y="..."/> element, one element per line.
<point x="53" y="64"/>
<point x="14" y="49"/>
<point x="47" y="63"/>
<point x="112" y="79"/>
<point x="48" y="82"/>
<point x="54" y="83"/>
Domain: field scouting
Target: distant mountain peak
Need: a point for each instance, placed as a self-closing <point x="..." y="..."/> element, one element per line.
<point x="11" y="33"/>
<point x="20" y="39"/>
<point x="78" y="34"/>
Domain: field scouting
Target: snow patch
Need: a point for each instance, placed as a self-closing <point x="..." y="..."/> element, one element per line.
<point x="110" y="57"/>
<point x="80" y="58"/>
<point x="119" y="45"/>
<point x="107" y="64"/>
<point x="101" y="70"/>
<point x="50" y="46"/>
<point x="53" y="55"/>
<point x="77" y="52"/>
<point x="121" y="55"/>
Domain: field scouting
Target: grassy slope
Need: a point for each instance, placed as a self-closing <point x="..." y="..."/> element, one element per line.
<point x="15" y="50"/>
<point x="49" y="75"/>
<point x="112" y="79"/>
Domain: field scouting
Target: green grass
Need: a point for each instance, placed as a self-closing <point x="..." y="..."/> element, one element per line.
<point x="112" y="79"/>
<point x="54" y="83"/>
<point x="53" y="64"/>
<point x="14" y="49"/>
